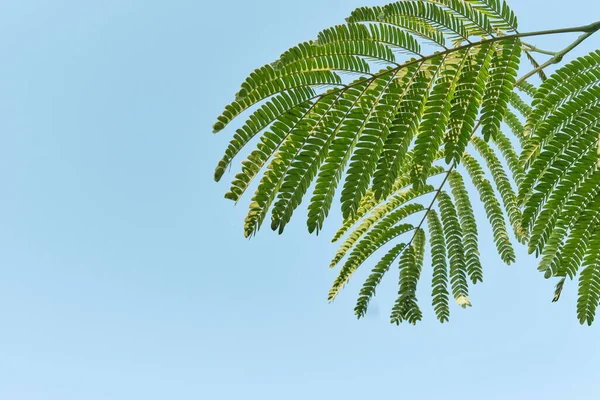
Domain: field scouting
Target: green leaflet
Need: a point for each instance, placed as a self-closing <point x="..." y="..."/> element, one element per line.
<point x="368" y="289"/>
<point x="456" y="254"/>
<point x="503" y="185"/>
<point x="492" y="209"/>
<point x="579" y="239"/>
<point x="403" y="129"/>
<point x="429" y="13"/>
<point x="270" y="142"/>
<point x="305" y="165"/>
<point x="411" y="277"/>
<point x="498" y="12"/>
<point x="559" y="100"/>
<point x="436" y="114"/>
<point x="375" y="41"/>
<point x="411" y="263"/>
<point x="328" y="175"/>
<point x="516" y="127"/>
<point x="371" y="141"/>
<point x="274" y="110"/>
<point x="383" y="220"/>
<point x="477" y="22"/>
<point x="399" y="18"/>
<point x="555" y="236"/>
<point x="468" y="225"/>
<point x="503" y="74"/>
<point x="558" y="290"/>
<point x="354" y="39"/>
<point x="518" y="103"/>
<point x="267" y="88"/>
<point x="511" y="157"/>
<point x="589" y="282"/>
<point x="576" y="110"/>
<point x="439" y="283"/>
<point x="419" y="242"/>
<point x="546" y="220"/>
<point x="437" y="20"/>
<point x="367" y="203"/>
<point x="466" y="103"/>
<point x="291" y="147"/>
<point x="330" y="58"/>
<point x="362" y="251"/>
<point x="536" y="65"/>
<point x="577" y="138"/>
<point x="401" y="195"/>
<point x="342" y="147"/>
<point x="335" y="56"/>
<point x="395" y="37"/>
<point x="527" y="88"/>
<point x="566" y="82"/>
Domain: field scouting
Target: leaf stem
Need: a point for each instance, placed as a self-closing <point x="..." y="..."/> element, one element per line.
<point x="559" y="55"/>
<point x="531" y="47"/>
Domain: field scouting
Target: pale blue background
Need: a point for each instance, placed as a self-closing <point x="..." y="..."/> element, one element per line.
<point x="124" y="273"/>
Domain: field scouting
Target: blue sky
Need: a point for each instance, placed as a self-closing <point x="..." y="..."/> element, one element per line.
<point x="125" y="275"/>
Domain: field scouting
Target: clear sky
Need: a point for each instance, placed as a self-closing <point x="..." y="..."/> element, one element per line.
<point x="125" y="275"/>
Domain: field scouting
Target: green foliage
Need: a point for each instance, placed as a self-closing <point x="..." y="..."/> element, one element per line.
<point x="368" y="289"/>
<point x="456" y="252"/>
<point x="498" y="92"/>
<point x="362" y="115"/>
<point x="439" y="281"/>
<point x="502" y="184"/>
<point x="492" y="209"/>
<point x="466" y="103"/>
<point x="411" y="263"/>
<point x="467" y="225"/>
<point x="589" y="295"/>
<point x="561" y="188"/>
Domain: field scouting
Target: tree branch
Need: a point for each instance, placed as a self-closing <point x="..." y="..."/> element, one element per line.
<point x="588" y="29"/>
<point x="559" y="55"/>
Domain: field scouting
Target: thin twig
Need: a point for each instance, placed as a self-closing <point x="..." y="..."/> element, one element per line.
<point x="558" y="56"/>
<point x="535" y="49"/>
